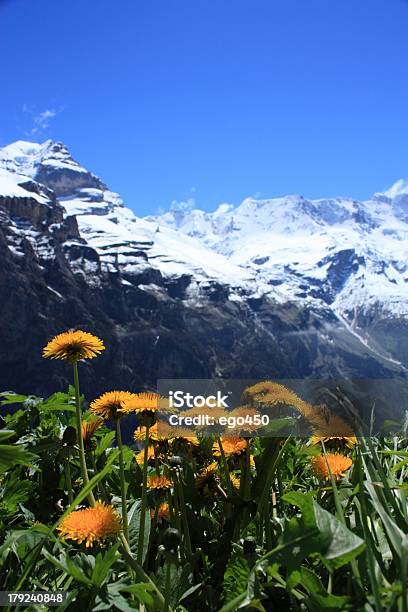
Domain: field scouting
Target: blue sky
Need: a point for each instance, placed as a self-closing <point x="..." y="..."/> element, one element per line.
<point x="212" y="100"/>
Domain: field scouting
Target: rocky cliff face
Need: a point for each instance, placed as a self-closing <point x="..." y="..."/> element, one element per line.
<point x="167" y="305"/>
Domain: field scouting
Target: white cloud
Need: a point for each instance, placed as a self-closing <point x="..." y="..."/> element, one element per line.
<point x="40" y="121"/>
<point x="187" y="204"/>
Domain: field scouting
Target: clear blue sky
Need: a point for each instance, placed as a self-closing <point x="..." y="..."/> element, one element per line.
<point x="229" y="97"/>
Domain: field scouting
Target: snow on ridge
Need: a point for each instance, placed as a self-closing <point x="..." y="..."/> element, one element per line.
<point x="400" y="187"/>
<point x="336" y="251"/>
<point x="11" y="185"/>
<point x="27" y="157"/>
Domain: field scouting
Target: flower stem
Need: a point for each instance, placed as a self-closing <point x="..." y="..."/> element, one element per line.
<point x="167" y="586"/>
<point x="68" y="480"/>
<point x="225" y="466"/>
<point x="183" y="509"/>
<point x="140" y="573"/>
<point x="144" y="500"/>
<point x="122" y="481"/>
<point x="82" y="459"/>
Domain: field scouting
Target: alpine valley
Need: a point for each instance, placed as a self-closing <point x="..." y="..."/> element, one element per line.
<point x="278" y="288"/>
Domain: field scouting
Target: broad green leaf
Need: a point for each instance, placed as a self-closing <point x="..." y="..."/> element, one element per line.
<point x="12" y="398"/>
<point x="142" y="591"/>
<point x="335" y="543"/>
<point x="59" y="408"/>
<point x="15" y="492"/>
<point x="134" y="528"/>
<point x="236" y="577"/>
<point x="319" y="599"/>
<point x="5" y="434"/>
<point x="344" y="545"/>
<point x="104" y="443"/>
<point x="304" y="501"/>
<point x="110" y="599"/>
<point x="16" y="454"/>
<point x="103" y="563"/>
<point x="68" y="565"/>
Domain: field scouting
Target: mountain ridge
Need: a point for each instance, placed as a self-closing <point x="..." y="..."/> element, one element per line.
<point x="74" y="245"/>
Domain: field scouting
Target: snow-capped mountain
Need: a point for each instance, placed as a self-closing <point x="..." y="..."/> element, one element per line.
<point x="348" y="254"/>
<point x="121" y="239"/>
<point x="283" y="286"/>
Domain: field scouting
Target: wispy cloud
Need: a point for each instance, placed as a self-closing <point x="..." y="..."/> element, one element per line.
<point x="40" y="122"/>
<point x="188" y="203"/>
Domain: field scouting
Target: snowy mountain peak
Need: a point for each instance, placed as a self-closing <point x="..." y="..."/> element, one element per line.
<point x="399" y="188"/>
<point x="27" y="157"/>
<point x="338" y="253"/>
<point x="125" y="244"/>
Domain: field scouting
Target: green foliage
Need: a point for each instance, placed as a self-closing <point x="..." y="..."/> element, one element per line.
<point x="134" y="528"/>
<point x="337" y="545"/>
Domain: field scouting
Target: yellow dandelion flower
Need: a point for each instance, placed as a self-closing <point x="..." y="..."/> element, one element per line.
<point x="156" y="434"/>
<point x="230" y="445"/>
<point x="151" y="456"/>
<point x="207" y="475"/>
<point x="72" y="346"/>
<point x="145" y="402"/>
<point x="183" y="434"/>
<point x="337" y="463"/>
<point x="273" y="395"/>
<point x="331" y="428"/>
<point x="158" y="482"/>
<point x="91" y="525"/>
<point x="89" y="428"/>
<point x="334" y="441"/>
<point x="247" y="422"/>
<point x="163" y="513"/>
<point x="204" y="412"/>
<point x="110" y="405"/>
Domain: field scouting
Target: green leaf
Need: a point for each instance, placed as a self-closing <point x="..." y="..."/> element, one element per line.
<point x="14" y="454"/>
<point x="134" y="528"/>
<point x="5" y="434"/>
<point x="236" y="577"/>
<point x="76" y="572"/>
<point x="319" y="598"/>
<point x="56" y="562"/>
<point x="141" y="590"/>
<point x="104" y="443"/>
<point x="304" y="501"/>
<point x="12" y="398"/>
<point x="335" y="543"/>
<point x="344" y="545"/>
<point x="233" y="605"/>
<point x="111" y="599"/>
<point x="16" y="491"/>
<point x="60" y="408"/>
<point x="103" y="563"/>
<point x="297" y="547"/>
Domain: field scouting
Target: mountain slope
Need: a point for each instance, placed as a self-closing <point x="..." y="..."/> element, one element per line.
<point x="339" y="253"/>
<point x="196" y="295"/>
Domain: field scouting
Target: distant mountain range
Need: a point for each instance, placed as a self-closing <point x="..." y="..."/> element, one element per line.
<point x="278" y="288"/>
